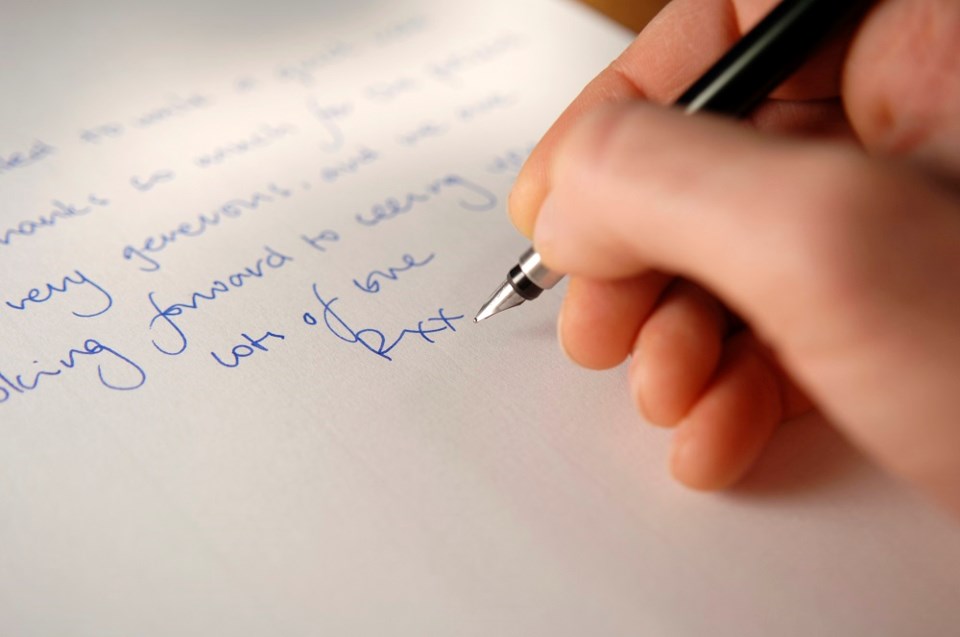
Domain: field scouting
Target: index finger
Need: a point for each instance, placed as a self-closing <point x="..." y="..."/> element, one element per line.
<point x="676" y="47"/>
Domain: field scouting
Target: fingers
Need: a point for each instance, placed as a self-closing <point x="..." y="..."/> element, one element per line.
<point x="682" y="41"/>
<point x="847" y="267"/>
<point x="728" y="427"/>
<point x="676" y="353"/>
<point x="675" y="48"/>
<point x="599" y="319"/>
<point x="902" y="81"/>
<point x="667" y="191"/>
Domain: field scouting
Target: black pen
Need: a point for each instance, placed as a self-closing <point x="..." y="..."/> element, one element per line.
<point x="762" y="59"/>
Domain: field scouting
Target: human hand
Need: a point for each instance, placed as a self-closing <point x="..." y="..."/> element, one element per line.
<point x="833" y="232"/>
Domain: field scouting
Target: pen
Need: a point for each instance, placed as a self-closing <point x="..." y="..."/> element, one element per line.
<point x="762" y="59"/>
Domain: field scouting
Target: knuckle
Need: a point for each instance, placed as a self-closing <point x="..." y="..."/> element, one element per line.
<point x="591" y="143"/>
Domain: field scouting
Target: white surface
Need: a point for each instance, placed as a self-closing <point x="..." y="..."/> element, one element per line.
<point x="479" y="485"/>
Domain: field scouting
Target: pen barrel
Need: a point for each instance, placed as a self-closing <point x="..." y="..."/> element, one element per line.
<point x="768" y="54"/>
<point x="530" y="277"/>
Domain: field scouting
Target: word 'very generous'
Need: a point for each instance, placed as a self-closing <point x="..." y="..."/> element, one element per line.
<point x="114" y="370"/>
<point x="189" y="229"/>
<point x="373" y="339"/>
<point x="273" y="261"/>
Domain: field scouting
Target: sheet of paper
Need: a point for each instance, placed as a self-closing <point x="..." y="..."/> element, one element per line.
<point x="241" y="244"/>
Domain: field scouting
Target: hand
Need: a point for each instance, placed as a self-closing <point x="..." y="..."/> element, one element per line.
<point x="811" y="261"/>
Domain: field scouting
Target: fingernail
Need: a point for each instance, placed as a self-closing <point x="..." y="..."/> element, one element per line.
<point x="563" y="347"/>
<point x="679" y="456"/>
<point x="634" y="373"/>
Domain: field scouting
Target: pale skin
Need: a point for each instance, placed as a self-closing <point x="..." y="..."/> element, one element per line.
<point x="808" y="259"/>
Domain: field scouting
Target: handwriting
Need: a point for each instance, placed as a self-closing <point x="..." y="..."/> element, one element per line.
<point x="388" y="91"/>
<point x="156" y="178"/>
<point x="175" y="107"/>
<point x="47" y="292"/>
<point x="404" y="28"/>
<point x="231" y="209"/>
<point x="363" y="157"/>
<point x="473" y="197"/>
<point x="510" y="162"/>
<point x="273" y="261"/>
<point x="492" y="102"/>
<point x="245" y="84"/>
<point x="372" y="339"/>
<point x="304" y="70"/>
<point x="21" y="159"/>
<point x="451" y="67"/>
<point x="115" y="371"/>
<point x="317" y="240"/>
<point x="95" y="134"/>
<point x="245" y="350"/>
<point x="60" y="211"/>
<point x="371" y="284"/>
<point x="427" y="129"/>
<point x="262" y="137"/>
<point x="328" y="115"/>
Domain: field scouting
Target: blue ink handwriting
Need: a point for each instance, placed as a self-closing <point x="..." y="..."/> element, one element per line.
<point x="425" y="130"/>
<point x="244" y="350"/>
<point x="317" y="240"/>
<point x="273" y="261"/>
<point x="328" y="116"/>
<point x="383" y="92"/>
<point x="60" y="210"/>
<point x="371" y="284"/>
<point x="473" y="197"/>
<point x="402" y="29"/>
<point x="175" y="107"/>
<point x="372" y="339"/>
<point x="158" y="177"/>
<point x="232" y="209"/>
<point x="490" y="103"/>
<point x="303" y="70"/>
<point x="21" y="159"/>
<point x="452" y="66"/>
<point x="104" y="131"/>
<point x="115" y="371"/>
<point x="363" y="157"/>
<point x="245" y="84"/>
<point x="44" y="294"/>
<point x="262" y="137"/>
<point x="510" y="161"/>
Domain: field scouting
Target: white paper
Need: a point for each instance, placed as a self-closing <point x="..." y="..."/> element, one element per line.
<point x="161" y="473"/>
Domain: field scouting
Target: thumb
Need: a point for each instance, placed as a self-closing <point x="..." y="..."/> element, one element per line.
<point x="846" y="266"/>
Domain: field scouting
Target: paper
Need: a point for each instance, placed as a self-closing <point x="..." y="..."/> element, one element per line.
<point x="241" y="246"/>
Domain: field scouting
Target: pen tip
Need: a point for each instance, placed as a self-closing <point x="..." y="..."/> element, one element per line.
<point x="503" y="299"/>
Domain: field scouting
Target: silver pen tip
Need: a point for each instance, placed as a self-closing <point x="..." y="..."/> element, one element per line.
<point x="503" y="299"/>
